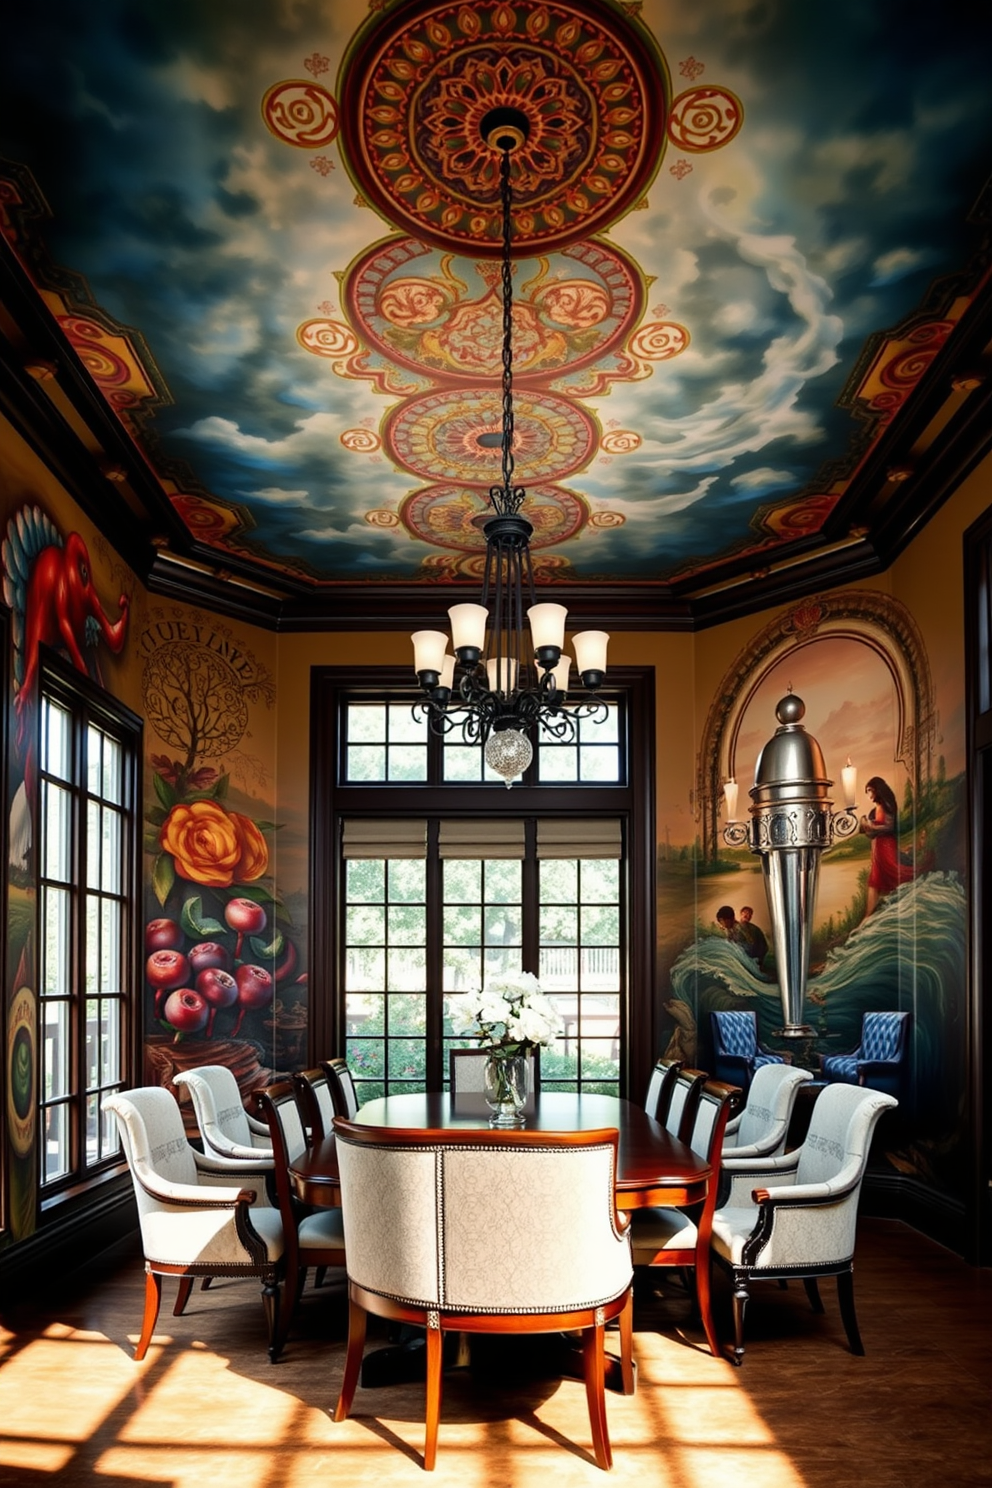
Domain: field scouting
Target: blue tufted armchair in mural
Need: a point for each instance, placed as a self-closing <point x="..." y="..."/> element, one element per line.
<point x="881" y="1060"/>
<point x="736" y="1051"/>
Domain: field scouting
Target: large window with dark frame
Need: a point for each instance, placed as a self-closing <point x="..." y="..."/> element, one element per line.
<point x="89" y="749"/>
<point x="434" y="904"/>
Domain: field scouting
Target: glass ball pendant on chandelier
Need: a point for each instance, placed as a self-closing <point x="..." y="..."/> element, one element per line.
<point x="498" y="701"/>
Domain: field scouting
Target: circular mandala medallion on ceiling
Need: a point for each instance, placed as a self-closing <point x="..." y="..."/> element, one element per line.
<point x="418" y="80"/>
<point x="443" y="315"/>
<point x="451" y="516"/>
<point x="454" y="435"/>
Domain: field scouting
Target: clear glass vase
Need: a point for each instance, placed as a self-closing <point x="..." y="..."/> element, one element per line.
<point x="505" y="1084"/>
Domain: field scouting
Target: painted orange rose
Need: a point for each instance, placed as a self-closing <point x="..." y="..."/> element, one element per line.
<point x="204" y="842"/>
<point x="254" y="859"/>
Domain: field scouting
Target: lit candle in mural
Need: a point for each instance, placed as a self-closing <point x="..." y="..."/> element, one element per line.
<point x="730" y="799"/>
<point x="849" y="776"/>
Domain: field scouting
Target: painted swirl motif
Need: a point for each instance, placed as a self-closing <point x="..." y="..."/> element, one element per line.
<point x="659" y="341"/>
<point x="620" y="442"/>
<point x="327" y="338"/>
<point x="362" y="441"/>
<point x="301" y="114"/>
<point x="705" y="119"/>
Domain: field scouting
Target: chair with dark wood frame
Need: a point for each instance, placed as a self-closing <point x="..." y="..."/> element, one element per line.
<point x="796" y="1215"/>
<point x="551" y="1255"/>
<point x="680" y="1117"/>
<point x="315" y="1094"/>
<point x="660" y="1087"/>
<point x="315" y="1239"/>
<point x="195" y="1211"/>
<point x="343" y="1092"/>
<point x="681" y="1237"/>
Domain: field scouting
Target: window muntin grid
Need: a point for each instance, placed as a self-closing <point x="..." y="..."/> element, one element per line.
<point x="391" y="1010"/>
<point x="384" y="744"/>
<point x="85" y="909"/>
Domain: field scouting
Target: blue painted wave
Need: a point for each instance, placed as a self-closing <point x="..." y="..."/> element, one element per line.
<point x="908" y="955"/>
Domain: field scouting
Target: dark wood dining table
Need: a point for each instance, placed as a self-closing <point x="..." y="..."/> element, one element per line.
<point x="653" y="1167"/>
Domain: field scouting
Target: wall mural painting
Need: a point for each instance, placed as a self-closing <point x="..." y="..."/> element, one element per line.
<point x="54" y="600"/>
<point x="889" y="928"/>
<point x="224" y="980"/>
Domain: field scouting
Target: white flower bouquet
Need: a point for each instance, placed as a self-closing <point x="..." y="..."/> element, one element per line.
<point x="510" y="1014"/>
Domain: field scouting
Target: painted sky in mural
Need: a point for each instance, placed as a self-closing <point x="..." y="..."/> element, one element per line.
<point x="823" y="219"/>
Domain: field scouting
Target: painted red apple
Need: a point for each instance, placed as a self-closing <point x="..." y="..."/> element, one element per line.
<point x="165" y="970"/>
<point x="163" y="935"/>
<point x="220" y="990"/>
<point x="207" y="953"/>
<point x="254" y="990"/>
<point x="246" y="917"/>
<point x="186" y="1010"/>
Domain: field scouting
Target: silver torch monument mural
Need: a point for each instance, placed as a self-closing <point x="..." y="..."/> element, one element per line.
<point x="792" y="823"/>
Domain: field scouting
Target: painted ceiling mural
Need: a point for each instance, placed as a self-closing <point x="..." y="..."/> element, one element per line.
<point x="270" y="230"/>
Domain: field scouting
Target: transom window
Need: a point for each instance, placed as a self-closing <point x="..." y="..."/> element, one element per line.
<point x="390" y="743"/>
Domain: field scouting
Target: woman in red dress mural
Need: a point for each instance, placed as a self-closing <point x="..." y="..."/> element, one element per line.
<point x="886" y="872"/>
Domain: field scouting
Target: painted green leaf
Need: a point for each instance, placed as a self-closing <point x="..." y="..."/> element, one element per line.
<point x="165" y="792"/>
<point x="195" y="922"/>
<point x="267" y="952"/>
<point x="163" y="877"/>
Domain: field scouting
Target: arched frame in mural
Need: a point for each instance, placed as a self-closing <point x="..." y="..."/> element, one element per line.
<point x="876" y="620"/>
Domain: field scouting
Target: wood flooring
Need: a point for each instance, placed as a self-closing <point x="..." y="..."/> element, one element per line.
<point x="207" y="1410"/>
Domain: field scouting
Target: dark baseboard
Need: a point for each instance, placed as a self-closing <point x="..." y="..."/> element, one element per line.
<point x="69" y="1243"/>
<point x="894" y="1196"/>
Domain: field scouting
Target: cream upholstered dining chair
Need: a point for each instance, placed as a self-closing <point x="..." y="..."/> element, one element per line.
<point x="761" y="1128"/>
<point x="198" y="1215"/>
<point x="344" y="1096"/>
<point x="483" y="1232"/>
<point x="315" y="1239"/>
<point x="660" y="1087"/>
<point x="225" y="1126"/>
<point x="681" y="1237"/>
<point x="796" y="1215"/>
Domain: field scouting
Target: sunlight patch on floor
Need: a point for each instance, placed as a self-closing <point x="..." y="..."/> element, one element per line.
<point x="199" y="1401"/>
<point x="33" y="1456"/>
<point x="181" y="1467"/>
<point x="94" y="1376"/>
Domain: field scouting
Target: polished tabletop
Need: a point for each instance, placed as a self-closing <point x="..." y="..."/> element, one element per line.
<point x="653" y="1167"/>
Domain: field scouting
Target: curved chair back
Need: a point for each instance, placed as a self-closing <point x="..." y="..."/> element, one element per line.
<point x="484" y="1231"/>
<point x="155" y="1145"/>
<point x="313" y="1091"/>
<point x="881" y="1059"/>
<point x="761" y="1129"/>
<point x="684" y="1100"/>
<point x="839" y="1140"/>
<point x="194" y="1210"/>
<point x="220" y="1114"/>
<point x="737" y="1054"/>
<point x="344" y="1096"/>
<point x="660" y="1087"/>
<point x="508" y="1222"/>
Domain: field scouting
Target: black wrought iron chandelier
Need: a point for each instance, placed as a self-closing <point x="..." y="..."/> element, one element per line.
<point x="489" y="687"/>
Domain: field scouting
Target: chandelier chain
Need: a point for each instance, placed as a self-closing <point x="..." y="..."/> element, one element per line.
<point x="510" y="500"/>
